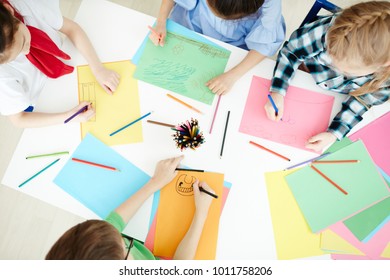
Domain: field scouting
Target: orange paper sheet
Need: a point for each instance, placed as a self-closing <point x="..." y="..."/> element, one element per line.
<point x="176" y="210"/>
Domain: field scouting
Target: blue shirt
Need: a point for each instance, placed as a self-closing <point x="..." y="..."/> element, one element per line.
<point x="263" y="31"/>
<point x="308" y="45"/>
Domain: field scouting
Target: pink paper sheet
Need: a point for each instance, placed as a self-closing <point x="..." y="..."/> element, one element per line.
<point x="373" y="248"/>
<point x="376" y="138"/>
<point x="306" y="113"/>
<point x="149" y="241"/>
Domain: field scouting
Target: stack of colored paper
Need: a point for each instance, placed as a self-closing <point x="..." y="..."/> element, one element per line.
<point x="315" y="205"/>
<point x="174" y="212"/>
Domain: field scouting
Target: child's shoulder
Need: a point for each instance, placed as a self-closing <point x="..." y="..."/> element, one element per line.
<point x="320" y="25"/>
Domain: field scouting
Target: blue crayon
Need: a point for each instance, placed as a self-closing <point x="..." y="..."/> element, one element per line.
<point x="273" y="104"/>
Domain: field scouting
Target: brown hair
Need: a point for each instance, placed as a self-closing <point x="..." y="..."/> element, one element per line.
<point x="9" y="25"/>
<point x="235" y="9"/>
<point x="362" y="33"/>
<point x="90" y="240"/>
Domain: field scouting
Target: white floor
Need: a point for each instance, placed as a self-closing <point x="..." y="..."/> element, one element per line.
<point x="28" y="227"/>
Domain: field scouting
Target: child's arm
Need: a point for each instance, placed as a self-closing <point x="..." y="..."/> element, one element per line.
<point x="224" y="82"/>
<point x="189" y="244"/>
<point x="164" y="173"/>
<point x="108" y="79"/>
<point x="351" y="114"/>
<point x="305" y="42"/>
<point x="158" y="37"/>
<point x="30" y="120"/>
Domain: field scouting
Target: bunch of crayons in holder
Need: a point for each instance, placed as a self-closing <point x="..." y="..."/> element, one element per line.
<point x="188" y="135"/>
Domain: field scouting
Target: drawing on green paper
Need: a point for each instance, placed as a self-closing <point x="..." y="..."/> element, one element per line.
<point x="183" y="66"/>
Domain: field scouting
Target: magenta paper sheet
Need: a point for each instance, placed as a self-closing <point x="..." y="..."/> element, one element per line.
<point x="306" y="113"/>
<point x="372" y="249"/>
<point x="376" y="137"/>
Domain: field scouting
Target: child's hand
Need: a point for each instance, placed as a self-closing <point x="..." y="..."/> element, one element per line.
<point x="202" y="200"/>
<point x="108" y="79"/>
<point x="84" y="116"/>
<point x="269" y="109"/>
<point x="221" y="84"/>
<point x="165" y="171"/>
<point x="158" y="34"/>
<point x="320" y="141"/>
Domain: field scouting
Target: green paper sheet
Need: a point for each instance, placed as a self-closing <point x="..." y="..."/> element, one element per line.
<point x="322" y="204"/>
<point x="338" y="145"/>
<point x="365" y="222"/>
<point x="293" y="238"/>
<point x="183" y="66"/>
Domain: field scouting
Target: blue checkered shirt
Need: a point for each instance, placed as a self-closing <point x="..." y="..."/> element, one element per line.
<point x="307" y="45"/>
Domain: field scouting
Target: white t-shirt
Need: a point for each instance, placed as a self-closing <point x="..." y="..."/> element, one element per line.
<point x="20" y="81"/>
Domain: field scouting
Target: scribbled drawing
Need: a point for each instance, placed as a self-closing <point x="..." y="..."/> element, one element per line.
<point x="287" y="119"/>
<point x="206" y="49"/>
<point x="184" y="185"/>
<point x="169" y="74"/>
<point x="213" y="51"/>
<point x="288" y="139"/>
<point x="198" y="84"/>
<point x="178" y="49"/>
<point x="260" y="130"/>
<point x="88" y="93"/>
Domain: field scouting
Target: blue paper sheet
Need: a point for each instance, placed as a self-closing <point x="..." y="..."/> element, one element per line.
<point x="99" y="189"/>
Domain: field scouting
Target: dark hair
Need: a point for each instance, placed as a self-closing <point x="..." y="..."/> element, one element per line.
<point x="235" y="9"/>
<point x="9" y="25"/>
<point x="90" y="240"/>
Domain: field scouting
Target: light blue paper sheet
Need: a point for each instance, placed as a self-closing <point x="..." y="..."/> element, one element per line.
<point x="99" y="189"/>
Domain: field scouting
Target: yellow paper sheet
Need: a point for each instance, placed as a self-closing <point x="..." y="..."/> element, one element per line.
<point x="332" y="243"/>
<point x="176" y="210"/>
<point x="112" y="111"/>
<point x="293" y="237"/>
<point x="386" y="252"/>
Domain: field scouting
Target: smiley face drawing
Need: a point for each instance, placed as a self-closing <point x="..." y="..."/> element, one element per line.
<point x="184" y="185"/>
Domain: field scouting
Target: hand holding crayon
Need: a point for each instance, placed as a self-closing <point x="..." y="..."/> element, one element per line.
<point x="83" y="112"/>
<point x="275" y="106"/>
<point x="157" y="35"/>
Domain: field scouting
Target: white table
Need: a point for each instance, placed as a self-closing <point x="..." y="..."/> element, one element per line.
<point x="116" y="32"/>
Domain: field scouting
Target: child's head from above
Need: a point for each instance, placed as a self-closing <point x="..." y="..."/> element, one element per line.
<point x="90" y="240"/>
<point x="359" y="40"/>
<point x="234" y="9"/>
<point x="14" y="35"/>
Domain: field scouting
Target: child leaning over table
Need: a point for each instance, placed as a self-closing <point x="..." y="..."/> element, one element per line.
<point x="347" y="53"/>
<point x="102" y="240"/>
<point x="257" y="26"/>
<point x="29" y="53"/>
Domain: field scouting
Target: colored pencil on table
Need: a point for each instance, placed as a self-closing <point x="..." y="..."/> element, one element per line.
<point x="329" y="180"/>
<point x="183" y="103"/>
<point x="273" y="104"/>
<point x="209" y="193"/>
<point x="268" y="150"/>
<point x="336" y="161"/>
<point x="48" y="155"/>
<point x="35" y="175"/>
<point x="215" y="113"/>
<point x="160" y="123"/>
<point x="307" y="161"/>
<point x="75" y="114"/>
<point x="95" y="164"/>
<point x="127" y="125"/>
<point x="193" y="170"/>
<point x="224" y="134"/>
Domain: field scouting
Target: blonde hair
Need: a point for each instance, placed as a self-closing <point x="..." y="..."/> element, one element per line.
<point x="362" y="33"/>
